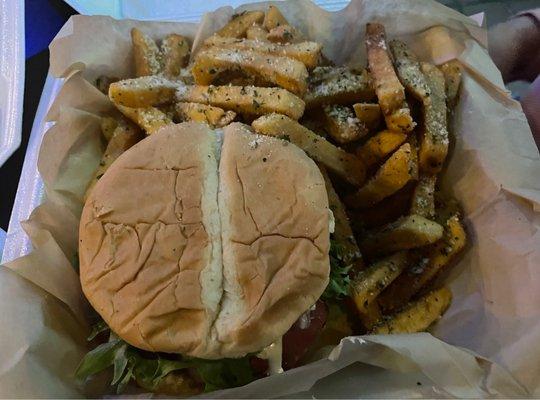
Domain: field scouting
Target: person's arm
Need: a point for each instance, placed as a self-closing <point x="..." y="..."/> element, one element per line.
<point x="514" y="46"/>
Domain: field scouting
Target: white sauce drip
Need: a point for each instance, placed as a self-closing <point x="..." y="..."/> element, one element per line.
<point x="272" y="353"/>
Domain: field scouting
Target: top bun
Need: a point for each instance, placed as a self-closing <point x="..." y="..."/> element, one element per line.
<point x="204" y="244"/>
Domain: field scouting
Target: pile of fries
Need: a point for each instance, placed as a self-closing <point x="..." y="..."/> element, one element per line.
<point x="380" y="136"/>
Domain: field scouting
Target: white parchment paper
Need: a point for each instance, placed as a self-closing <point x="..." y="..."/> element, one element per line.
<point x="486" y="345"/>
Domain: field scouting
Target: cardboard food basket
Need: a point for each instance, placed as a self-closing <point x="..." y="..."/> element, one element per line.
<point x="486" y="345"/>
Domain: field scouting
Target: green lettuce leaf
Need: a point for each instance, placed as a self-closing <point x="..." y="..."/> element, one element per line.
<point x="101" y="326"/>
<point x="340" y="282"/>
<point x="101" y="358"/>
<point x="148" y="369"/>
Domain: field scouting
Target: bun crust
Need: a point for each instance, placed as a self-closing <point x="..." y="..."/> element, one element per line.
<point x="274" y="219"/>
<point x="182" y="251"/>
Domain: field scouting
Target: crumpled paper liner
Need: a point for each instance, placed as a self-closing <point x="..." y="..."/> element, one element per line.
<point x="493" y="172"/>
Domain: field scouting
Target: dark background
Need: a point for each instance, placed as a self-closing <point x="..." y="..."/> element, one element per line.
<point x="44" y="18"/>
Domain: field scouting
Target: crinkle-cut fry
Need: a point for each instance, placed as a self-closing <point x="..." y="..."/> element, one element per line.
<point x="108" y="126"/>
<point x="145" y="91"/>
<point x="146" y="54"/>
<point x="342" y="124"/>
<point x="124" y="136"/>
<point x="371" y="281"/>
<point x="408" y="70"/>
<point x="417" y="316"/>
<point x="284" y="34"/>
<point x="430" y="261"/>
<point x="380" y="145"/>
<point x="434" y="139"/>
<point x="257" y="32"/>
<point x="307" y="53"/>
<point x="452" y="78"/>
<point x="388" y="88"/>
<point x="389" y="178"/>
<point x="175" y="51"/>
<point x="247" y="100"/>
<point x="338" y="85"/>
<point x="409" y="232"/>
<point x="274" y="18"/>
<point x="423" y="197"/>
<point x="369" y="114"/>
<point x="345" y="165"/>
<point x="343" y="233"/>
<point x="240" y="23"/>
<point x="150" y="119"/>
<point x="213" y="116"/>
<point x="281" y="71"/>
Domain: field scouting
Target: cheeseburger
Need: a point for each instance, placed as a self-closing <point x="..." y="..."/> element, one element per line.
<point x="200" y="249"/>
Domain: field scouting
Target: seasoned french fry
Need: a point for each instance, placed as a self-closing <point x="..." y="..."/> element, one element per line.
<point x="257" y="32"/>
<point x="308" y="53"/>
<point x="390" y="177"/>
<point x="434" y="141"/>
<point x="146" y="54"/>
<point x="418" y="316"/>
<point x="274" y="18"/>
<point x="315" y="124"/>
<point x="145" y="91"/>
<point x="108" y="125"/>
<point x="284" y="34"/>
<point x="389" y="90"/>
<point x="240" y="23"/>
<point x="385" y="211"/>
<point x="125" y="135"/>
<point x="342" y="125"/>
<point x="452" y="78"/>
<point x="380" y="145"/>
<point x="408" y="70"/>
<point x="150" y="119"/>
<point x="343" y="233"/>
<point x="400" y="120"/>
<point x="175" y="51"/>
<point x="409" y="232"/>
<point x="281" y="71"/>
<point x="337" y="85"/>
<point x="413" y="142"/>
<point x="345" y="165"/>
<point x="445" y="208"/>
<point x="249" y="100"/>
<point x="371" y="317"/>
<point x="367" y="285"/>
<point x="431" y="261"/>
<point x="369" y="114"/>
<point x="423" y="200"/>
<point x="214" y="116"/>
